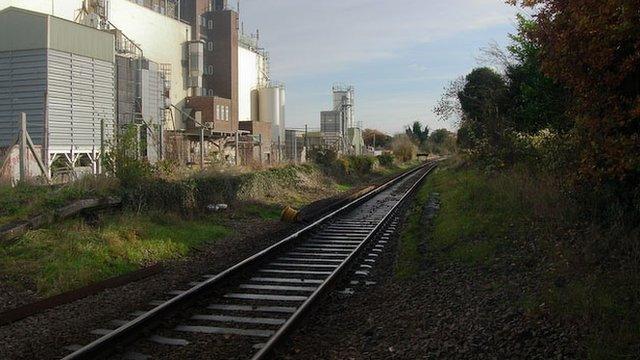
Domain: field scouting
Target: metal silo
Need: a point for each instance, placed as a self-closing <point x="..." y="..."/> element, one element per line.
<point x="269" y="104"/>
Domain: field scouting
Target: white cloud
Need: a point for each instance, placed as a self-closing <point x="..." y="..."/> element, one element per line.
<point x="315" y="36"/>
<point x="313" y="42"/>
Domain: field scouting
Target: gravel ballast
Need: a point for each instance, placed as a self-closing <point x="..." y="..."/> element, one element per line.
<point x="447" y="311"/>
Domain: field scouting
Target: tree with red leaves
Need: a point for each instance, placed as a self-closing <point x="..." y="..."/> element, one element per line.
<point x="592" y="47"/>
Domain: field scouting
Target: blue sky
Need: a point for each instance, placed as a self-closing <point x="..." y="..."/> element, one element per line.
<point x="399" y="54"/>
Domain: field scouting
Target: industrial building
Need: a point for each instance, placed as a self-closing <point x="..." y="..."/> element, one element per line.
<point x="180" y="71"/>
<point x="338" y="126"/>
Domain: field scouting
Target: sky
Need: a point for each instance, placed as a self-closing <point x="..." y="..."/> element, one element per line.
<point x="398" y="54"/>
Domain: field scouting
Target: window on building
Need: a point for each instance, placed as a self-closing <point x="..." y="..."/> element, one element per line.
<point x="203" y="20"/>
<point x="210" y="92"/>
<point x="210" y="24"/>
<point x="218" y="115"/>
<point x="210" y="46"/>
<point x="210" y="69"/>
<point x="226" y="113"/>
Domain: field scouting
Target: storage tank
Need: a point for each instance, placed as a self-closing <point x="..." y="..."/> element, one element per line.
<point x="269" y="105"/>
<point x="255" y="105"/>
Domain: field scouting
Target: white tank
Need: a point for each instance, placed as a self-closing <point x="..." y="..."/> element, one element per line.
<point x="269" y="104"/>
<point x="255" y="106"/>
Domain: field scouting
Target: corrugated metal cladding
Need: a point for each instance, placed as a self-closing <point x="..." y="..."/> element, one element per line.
<point x="151" y="92"/>
<point x="23" y="79"/>
<point x="73" y="72"/>
<point x="126" y="90"/>
<point x="81" y="95"/>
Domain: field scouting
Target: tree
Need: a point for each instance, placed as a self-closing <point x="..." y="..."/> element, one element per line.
<point x="449" y="105"/>
<point x="482" y="100"/>
<point x="439" y="136"/>
<point x="417" y="133"/>
<point x="591" y="48"/>
<point x="536" y="101"/>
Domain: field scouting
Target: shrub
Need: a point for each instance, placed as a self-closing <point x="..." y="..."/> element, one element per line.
<point x="124" y="162"/>
<point x="324" y="157"/>
<point x="403" y="148"/>
<point x="386" y="160"/>
<point x="362" y="164"/>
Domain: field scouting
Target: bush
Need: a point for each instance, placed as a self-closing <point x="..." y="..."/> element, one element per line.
<point x="386" y="160"/>
<point x="403" y="148"/>
<point x="124" y="162"/>
<point x="324" y="157"/>
<point x="362" y="165"/>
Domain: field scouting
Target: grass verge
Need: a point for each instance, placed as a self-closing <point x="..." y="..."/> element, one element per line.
<point x="409" y="256"/>
<point x="75" y="253"/>
<point x="485" y="217"/>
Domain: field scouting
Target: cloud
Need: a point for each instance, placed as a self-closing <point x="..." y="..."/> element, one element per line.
<point x="398" y="53"/>
<point x="314" y="36"/>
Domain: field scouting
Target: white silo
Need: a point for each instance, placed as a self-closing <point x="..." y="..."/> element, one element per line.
<point x="269" y="104"/>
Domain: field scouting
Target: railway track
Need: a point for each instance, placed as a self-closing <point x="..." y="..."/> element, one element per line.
<point x="246" y="310"/>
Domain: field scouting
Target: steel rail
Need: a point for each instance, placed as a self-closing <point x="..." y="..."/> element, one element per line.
<point x="335" y="275"/>
<point x="106" y="344"/>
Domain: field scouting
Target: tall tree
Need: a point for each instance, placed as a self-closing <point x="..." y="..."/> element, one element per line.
<point x="593" y="48"/>
<point x="482" y="101"/>
<point x="536" y="101"/>
<point x="418" y="133"/>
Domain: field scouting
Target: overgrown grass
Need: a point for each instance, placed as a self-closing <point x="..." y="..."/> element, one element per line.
<point x="344" y="187"/>
<point x="74" y="253"/>
<point x="409" y="257"/>
<point x="25" y="200"/>
<point x="262" y="211"/>
<point x="478" y="216"/>
<point x="483" y="217"/>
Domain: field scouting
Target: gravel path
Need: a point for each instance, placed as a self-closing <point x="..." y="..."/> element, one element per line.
<point x="449" y="311"/>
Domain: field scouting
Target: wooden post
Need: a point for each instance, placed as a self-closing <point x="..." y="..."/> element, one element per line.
<point x="295" y="147"/>
<point x="101" y="156"/>
<point x="237" y="150"/>
<point x="45" y="137"/>
<point x="202" y="148"/>
<point x="23" y="146"/>
<point x="279" y="150"/>
<point x="260" y="147"/>
<point x="161" y="140"/>
<point x="306" y="141"/>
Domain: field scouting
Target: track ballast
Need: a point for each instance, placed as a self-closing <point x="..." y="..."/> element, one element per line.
<point x="246" y="310"/>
